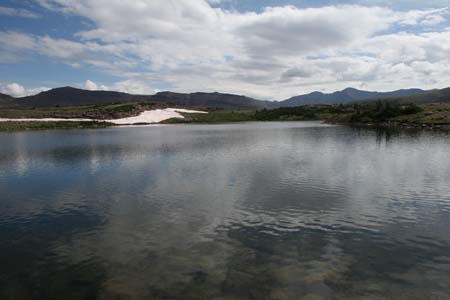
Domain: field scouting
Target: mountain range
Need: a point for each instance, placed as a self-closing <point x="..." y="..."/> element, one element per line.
<point x="69" y="96"/>
<point x="346" y="96"/>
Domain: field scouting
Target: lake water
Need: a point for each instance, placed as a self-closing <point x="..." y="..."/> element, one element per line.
<point x="239" y="211"/>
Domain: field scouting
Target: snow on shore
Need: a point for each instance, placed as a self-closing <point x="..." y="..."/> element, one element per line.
<point x="155" y="116"/>
<point x="149" y="116"/>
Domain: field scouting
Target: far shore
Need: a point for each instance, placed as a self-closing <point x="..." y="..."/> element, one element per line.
<point x="434" y="116"/>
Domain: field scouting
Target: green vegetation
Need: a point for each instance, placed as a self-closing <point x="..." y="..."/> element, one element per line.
<point x="388" y="114"/>
<point x="431" y="114"/>
<point x="217" y="116"/>
<point x="434" y="96"/>
<point x="21" y="126"/>
<point x="301" y="113"/>
<point x="372" y="113"/>
<point x="100" y="112"/>
<point x="375" y="113"/>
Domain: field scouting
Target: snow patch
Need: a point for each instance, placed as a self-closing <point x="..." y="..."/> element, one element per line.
<point x="149" y="116"/>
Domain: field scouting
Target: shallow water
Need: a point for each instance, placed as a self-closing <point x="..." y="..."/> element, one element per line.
<point x="240" y="211"/>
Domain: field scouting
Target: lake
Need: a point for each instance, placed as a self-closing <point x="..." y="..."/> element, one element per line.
<point x="294" y="210"/>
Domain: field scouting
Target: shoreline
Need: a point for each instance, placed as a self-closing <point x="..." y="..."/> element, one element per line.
<point x="147" y="117"/>
<point x="402" y="126"/>
<point x="402" y="117"/>
<point x="17" y="126"/>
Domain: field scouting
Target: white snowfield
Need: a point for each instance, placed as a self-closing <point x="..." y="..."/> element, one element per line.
<point x="149" y="116"/>
<point x="155" y="116"/>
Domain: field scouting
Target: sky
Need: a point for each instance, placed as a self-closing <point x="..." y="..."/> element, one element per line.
<point x="266" y="49"/>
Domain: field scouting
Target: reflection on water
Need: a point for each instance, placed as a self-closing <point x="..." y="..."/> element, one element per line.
<point x="242" y="211"/>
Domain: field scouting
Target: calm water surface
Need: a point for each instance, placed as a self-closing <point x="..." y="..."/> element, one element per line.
<point x="243" y="211"/>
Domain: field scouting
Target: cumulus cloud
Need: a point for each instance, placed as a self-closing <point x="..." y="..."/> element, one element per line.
<point x="133" y="87"/>
<point x="293" y="31"/>
<point x="17" y="90"/>
<point x="127" y="86"/>
<point x="274" y="53"/>
<point x="424" y="17"/>
<point x="92" y="86"/>
<point x="13" y="89"/>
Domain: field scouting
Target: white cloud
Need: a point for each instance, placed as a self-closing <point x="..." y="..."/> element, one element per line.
<point x="13" y="89"/>
<point x="127" y="86"/>
<point x="217" y="1"/>
<point x="90" y="85"/>
<point x="16" y="90"/>
<point x="60" y="48"/>
<point x="406" y="4"/>
<point x="293" y="31"/>
<point x="275" y="53"/>
<point x="424" y="17"/>
<point x="15" y="41"/>
<point x="14" y="12"/>
<point x="133" y="87"/>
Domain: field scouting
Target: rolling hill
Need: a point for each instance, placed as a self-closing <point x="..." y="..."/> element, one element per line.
<point x="210" y="100"/>
<point x="5" y="97"/>
<point x="345" y="96"/>
<point x="434" y="96"/>
<point x="6" y="100"/>
<point x="68" y="96"/>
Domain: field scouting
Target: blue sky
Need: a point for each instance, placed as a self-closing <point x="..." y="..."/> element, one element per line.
<point x="262" y="48"/>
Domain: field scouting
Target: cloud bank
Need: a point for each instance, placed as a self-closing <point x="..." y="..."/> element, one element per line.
<point x="272" y="54"/>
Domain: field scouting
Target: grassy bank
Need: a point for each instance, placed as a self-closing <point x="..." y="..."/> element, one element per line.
<point x="385" y="114"/>
<point x="23" y="126"/>
<point x="374" y="114"/>
<point x="99" y="112"/>
<point x="302" y="113"/>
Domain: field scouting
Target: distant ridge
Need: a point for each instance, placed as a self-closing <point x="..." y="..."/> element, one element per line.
<point x="345" y="96"/>
<point x="69" y="96"/>
<point x="434" y="96"/>
<point x="213" y="100"/>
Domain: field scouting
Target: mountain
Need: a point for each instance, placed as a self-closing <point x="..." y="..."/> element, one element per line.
<point x="69" y="96"/>
<point x="345" y="96"/>
<point x="6" y="100"/>
<point x="434" y="96"/>
<point x="210" y="100"/>
<point x="5" y="97"/>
